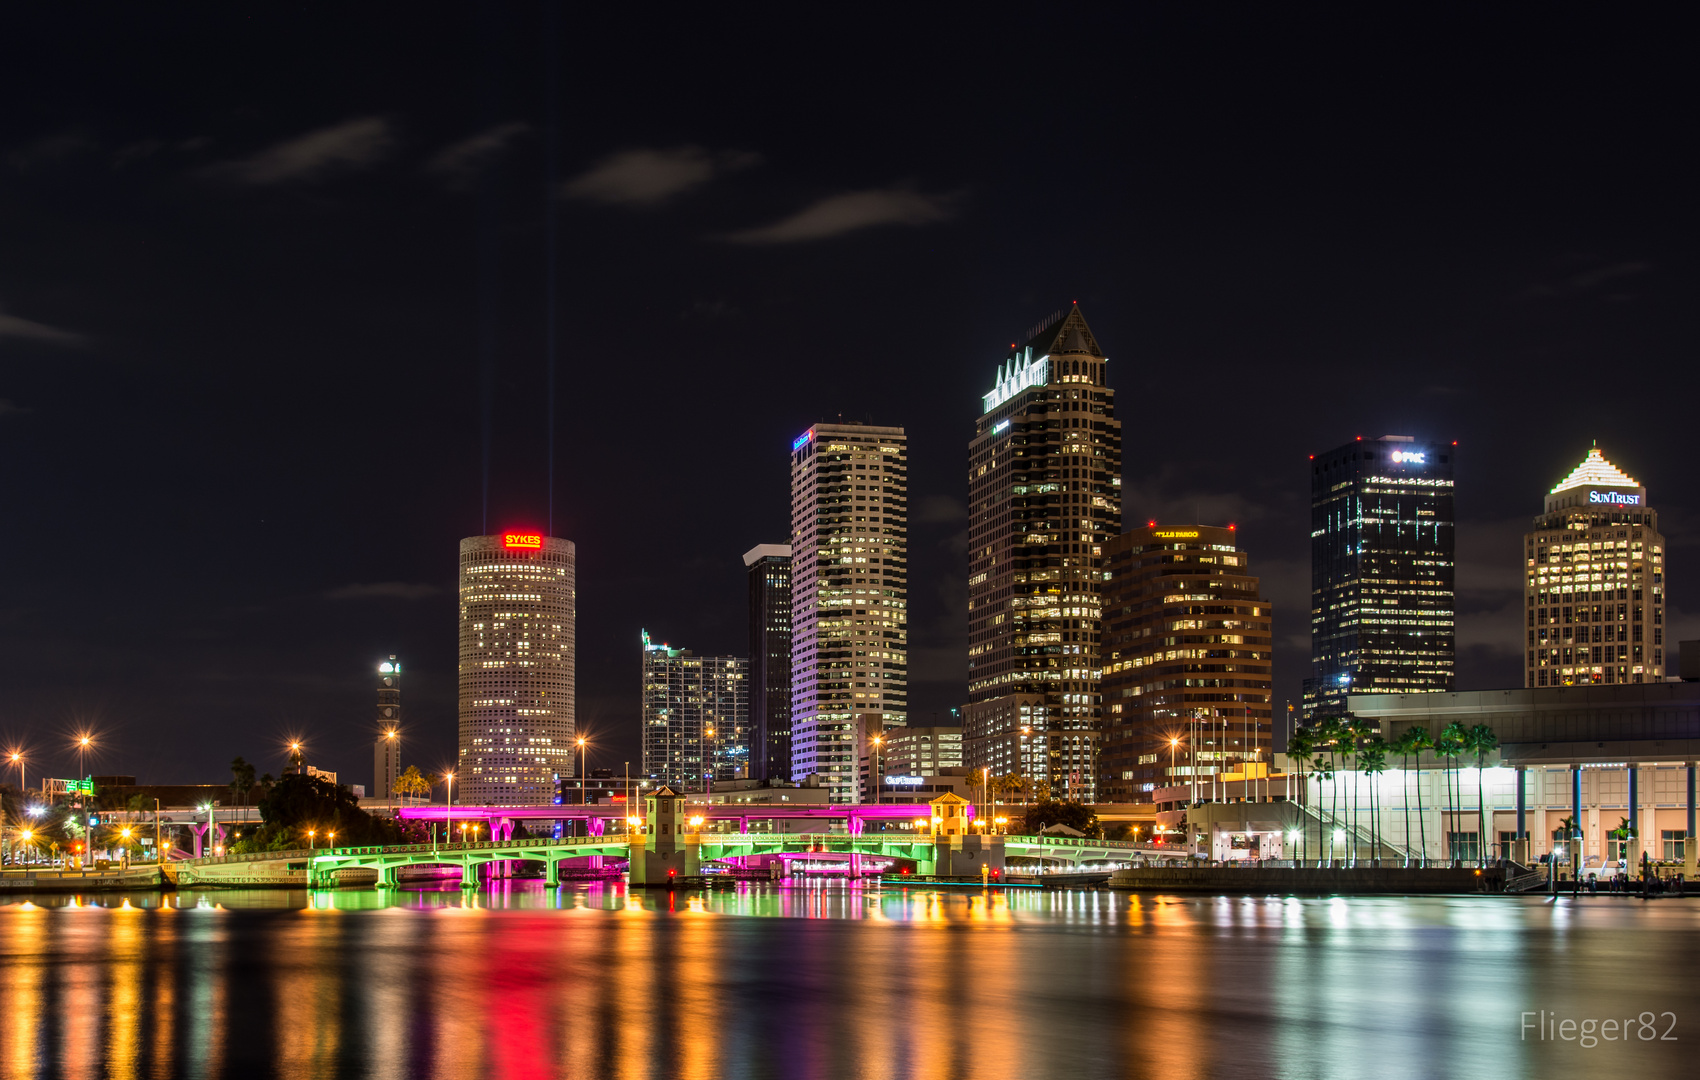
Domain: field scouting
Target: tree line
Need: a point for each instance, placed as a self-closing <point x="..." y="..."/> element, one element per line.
<point x="1332" y="745"/>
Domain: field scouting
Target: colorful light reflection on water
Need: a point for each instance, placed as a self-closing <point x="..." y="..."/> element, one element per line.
<point x="831" y="981"/>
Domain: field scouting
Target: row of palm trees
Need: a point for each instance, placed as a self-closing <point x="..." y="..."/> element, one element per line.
<point x="1333" y="744"/>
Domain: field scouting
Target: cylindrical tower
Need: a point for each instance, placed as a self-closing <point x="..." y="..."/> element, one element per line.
<point x="518" y="602"/>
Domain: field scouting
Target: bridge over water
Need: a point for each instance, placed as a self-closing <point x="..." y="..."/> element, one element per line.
<point x="671" y="843"/>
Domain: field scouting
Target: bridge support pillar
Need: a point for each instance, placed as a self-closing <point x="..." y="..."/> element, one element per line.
<point x="963" y="856"/>
<point x="552" y="872"/>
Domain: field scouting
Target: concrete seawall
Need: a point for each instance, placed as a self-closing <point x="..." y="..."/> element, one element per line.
<point x="53" y="881"/>
<point x="1358" y="881"/>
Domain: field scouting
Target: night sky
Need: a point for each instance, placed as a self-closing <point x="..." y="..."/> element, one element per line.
<point x="274" y="281"/>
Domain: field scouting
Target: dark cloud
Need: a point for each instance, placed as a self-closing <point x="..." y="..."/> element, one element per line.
<point x="652" y="177"/>
<point x="7" y="408"/>
<point x="1589" y="280"/>
<point x="458" y="162"/>
<point x="852" y="211"/>
<point x="14" y="327"/>
<point x="49" y="151"/>
<point x="353" y="144"/>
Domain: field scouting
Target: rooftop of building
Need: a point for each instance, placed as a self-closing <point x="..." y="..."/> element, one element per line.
<point x="1595" y="471"/>
<point x="766" y="551"/>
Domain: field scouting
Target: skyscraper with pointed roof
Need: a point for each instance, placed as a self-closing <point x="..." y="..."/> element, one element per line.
<point x="1594" y="589"/>
<point x="1044" y="494"/>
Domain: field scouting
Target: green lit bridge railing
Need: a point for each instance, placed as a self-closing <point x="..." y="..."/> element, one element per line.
<point x="324" y="865"/>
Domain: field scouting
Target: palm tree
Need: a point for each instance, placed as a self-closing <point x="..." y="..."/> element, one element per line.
<point x="1358" y="730"/>
<point x="411" y="782"/>
<point x="241" y="780"/>
<point x="1328" y="730"/>
<point x="1448" y="745"/>
<point x="1403" y="746"/>
<point x="1420" y="741"/>
<point x="1299" y="745"/>
<point x="1373" y="760"/>
<point x="1481" y="739"/>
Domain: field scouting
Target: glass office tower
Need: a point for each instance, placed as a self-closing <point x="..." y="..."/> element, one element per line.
<point x="1044" y="494"/>
<point x="1382" y="545"/>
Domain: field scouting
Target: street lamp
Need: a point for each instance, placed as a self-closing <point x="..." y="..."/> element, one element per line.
<point x="708" y="762"/>
<point x="583" y="794"/>
<point x="448" y="826"/>
<point x="876" y="778"/>
<point x="310" y="834"/>
<point x="330" y="839"/>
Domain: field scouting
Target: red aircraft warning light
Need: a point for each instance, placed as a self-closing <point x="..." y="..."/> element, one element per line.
<point x="522" y="540"/>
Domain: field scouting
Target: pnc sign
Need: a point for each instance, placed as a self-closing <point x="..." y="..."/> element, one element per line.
<point x="1410" y="457"/>
<point x="533" y="541"/>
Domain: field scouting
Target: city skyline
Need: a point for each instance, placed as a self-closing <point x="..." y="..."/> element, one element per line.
<point x="289" y="341"/>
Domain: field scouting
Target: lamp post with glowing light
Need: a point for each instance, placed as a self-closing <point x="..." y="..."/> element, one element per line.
<point x="448" y="826"/>
<point x="875" y="774"/>
<point x="708" y="762"/>
<point x="583" y="792"/>
<point x="83" y="744"/>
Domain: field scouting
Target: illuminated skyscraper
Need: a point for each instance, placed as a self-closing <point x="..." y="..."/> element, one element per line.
<point x="696" y="717"/>
<point x="386" y="751"/>
<point x="1381" y="570"/>
<point x="849" y="594"/>
<point x="1044" y="494"/>
<point x="1186" y="655"/>
<point x="1595" y="582"/>
<point x="518" y="602"/>
<point x="769" y="567"/>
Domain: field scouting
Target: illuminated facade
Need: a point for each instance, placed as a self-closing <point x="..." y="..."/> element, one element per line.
<point x="696" y="717"/>
<point x="769" y="568"/>
<point x="1044" y="494"/>
<point x="1381" y="571"/>
<point x="1187" y="644"/>
<point x="849" y="594"/>
<point x="1595" y="582"/>
<point x="518" y="603"/>
<point x="386" y="749"/>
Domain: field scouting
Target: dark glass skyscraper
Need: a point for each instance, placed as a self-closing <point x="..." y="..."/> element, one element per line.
<point x="1381" y="571"/>
<point x="770" y="661"/>
<point x="1044" y="494"/>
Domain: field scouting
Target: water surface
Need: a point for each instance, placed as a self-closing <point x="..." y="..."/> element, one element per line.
<point x="834" y="981"/>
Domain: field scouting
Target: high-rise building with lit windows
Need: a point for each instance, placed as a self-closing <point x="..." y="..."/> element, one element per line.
<point x="386" y="749"/>
<point x="849" y="594"/>
<point x="1044" y="494"/>
<point x="518" y="602"/>
<point x="1382" y="543"/>
<point x="1595" y="582"/>
<point x="696" y="717"/>
<point x="769" y="568"/>
<point x="1187" y="654"/>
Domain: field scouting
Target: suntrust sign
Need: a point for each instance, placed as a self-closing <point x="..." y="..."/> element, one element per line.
<point x="1614" y="498"/>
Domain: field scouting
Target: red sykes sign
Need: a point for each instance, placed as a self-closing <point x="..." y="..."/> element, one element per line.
<point x="522" y="540"/>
